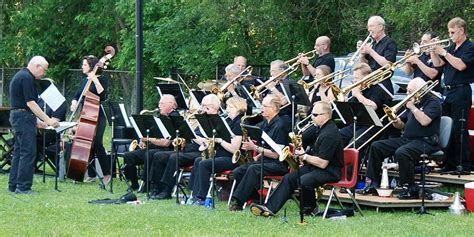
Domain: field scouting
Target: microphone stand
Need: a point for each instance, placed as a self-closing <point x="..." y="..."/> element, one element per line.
<point x="147" y="163"/>
<point x="44" y="148"/>
<point x="261" y="173"/>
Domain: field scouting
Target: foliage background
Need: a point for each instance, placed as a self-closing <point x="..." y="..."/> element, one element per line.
<point x="194" y="36"/>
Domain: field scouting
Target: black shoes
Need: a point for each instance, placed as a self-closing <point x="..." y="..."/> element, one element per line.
<point x="261" y="210"/>
<point x="161" y="196"/>
<point x="235" y="205"/>
<point x="411" y="192"/>
<point x="367" y="190"/>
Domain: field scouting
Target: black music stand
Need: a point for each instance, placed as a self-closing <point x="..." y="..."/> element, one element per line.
<point x="214" y="126"/>
<point x="176" y="91"/>
<point x="5" y="129"/>
<point x="149" y="125"/>
<point x="180" y="128"/>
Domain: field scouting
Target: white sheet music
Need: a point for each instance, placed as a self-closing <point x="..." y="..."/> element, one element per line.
<point x="276" y="147"/>
<point x="52" y="97"/>
<point x="162" y="128"/>
<point x="228" y="128"/>
<point x="124" y="115"/>
<point x="135" y="127"/>
<point x="62" y="126"/>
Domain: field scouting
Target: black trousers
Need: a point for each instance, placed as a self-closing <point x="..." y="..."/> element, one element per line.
<point x="457" y="105"/>
<point x="134" y="158"/>
<point x="185" y="159"/>
<point x="98" y="148"/>
<point x="157" y="168"/>
<point x="406" y="153"/>
<point x="248" y="177"/>
<point x="201" y="174"/>
<point x="311" y="177"/>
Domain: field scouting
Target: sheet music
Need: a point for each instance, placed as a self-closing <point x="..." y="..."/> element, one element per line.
<point x="228" y="128"/>
<point x="52" y="97"/>
<point x="373" y="116"/>
<point x="124" y="115"/>
<point x="276" y="147"/>
<point x="135" y="127"/>
<point x="338" y="112"/>
<point x="162" y="128"/>
<point x="62" y="126"/>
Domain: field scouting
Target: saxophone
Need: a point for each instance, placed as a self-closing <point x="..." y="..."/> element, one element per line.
<point x="297" y="140"/>
<point x="245" y="156"/>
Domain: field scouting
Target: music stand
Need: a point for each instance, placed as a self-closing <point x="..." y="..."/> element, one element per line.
<point x="176" y="91"/>
<point x="214" y="126"/>
<point x="5" y="127"/>
<point x="179" y="128"/>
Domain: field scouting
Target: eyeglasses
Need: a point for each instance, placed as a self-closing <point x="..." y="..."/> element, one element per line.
<point x="42" y="67"/>
<point x="317" y="114"/>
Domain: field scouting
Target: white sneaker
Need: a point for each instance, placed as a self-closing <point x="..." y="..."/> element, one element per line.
<point x="90" y="179"/>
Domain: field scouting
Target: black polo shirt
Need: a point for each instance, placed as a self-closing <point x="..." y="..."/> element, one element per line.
<point x="104" y="81"/>
<point x="275" y="129"/>
<point x="431" y="106"/>
<point x="387" y="48"/>
<point x="426" y="59"/>
<point x="327" y="59"/>
<point x="375" y="94"/>
<point x="328" y="145"/>
<point x="234" y="125"/>
<point x="466" y="53"/>
<point x="22" y="89"/>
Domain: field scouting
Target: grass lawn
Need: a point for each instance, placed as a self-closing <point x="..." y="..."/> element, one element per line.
<point x="68" y="213"/>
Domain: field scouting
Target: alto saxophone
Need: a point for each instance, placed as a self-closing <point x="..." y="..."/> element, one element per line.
<point x="246" y="156"/>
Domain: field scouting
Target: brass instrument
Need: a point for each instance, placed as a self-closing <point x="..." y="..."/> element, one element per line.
<point x="426" y="48"/>
<point x="286" y="154"/>
<point x="368" y="40"/>
<point x="328" y="79"/>
<point x="310" y="54"/>
<point x="246" y="156"/>
<point x="257" y="90"/>
<point x="390" y="112"/>
<point x="153" y="112"/>
<point x="372" y="79"/>
<point x="133" y="145"/>
<point x="219" y="91"/>
<point x="179" y="141"/>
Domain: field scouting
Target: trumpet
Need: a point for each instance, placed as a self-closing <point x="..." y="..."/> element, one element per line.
<point x="426" y="48"/>
<point x="153" y="112"/>
<point x="369" y="40"/>
<point x="310" y="54"/>
<point x="256" y="91"/>
<point x="328" y="79"/>
<point x="390" y="112"/>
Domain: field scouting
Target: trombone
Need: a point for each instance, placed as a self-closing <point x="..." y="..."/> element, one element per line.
<point x="426" y="48"/>
<point x="325" y="79"/>
<point x="256" y="91"/>
<point x="368" y="40"/>
<point x="310" y="54"/>
<point x="237" y="79"/>
<point x="390" y="112"/>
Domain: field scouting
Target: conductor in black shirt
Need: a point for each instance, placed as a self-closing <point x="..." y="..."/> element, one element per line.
<point x="322" y="164"/>
<point x="24" y="110"/>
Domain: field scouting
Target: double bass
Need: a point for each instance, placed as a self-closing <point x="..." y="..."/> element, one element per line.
<point x="87" y="125"/>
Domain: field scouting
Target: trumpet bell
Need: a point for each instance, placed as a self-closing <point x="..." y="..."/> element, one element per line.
<point x="236" y="157"/>
<point x="133" y="145"/>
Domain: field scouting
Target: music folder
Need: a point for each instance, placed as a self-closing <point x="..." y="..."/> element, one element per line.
<point x="119" y="112"/>
<point x="210" y="122"/>
<point x="297" y="90"/>
<point x="366" y="115"/>
<point x="142" y="123"/>
<point x="176" y="91"/>
<point x="256" y="134"/>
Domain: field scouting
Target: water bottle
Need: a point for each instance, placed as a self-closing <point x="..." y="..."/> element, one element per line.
<point x="208" y="202"/>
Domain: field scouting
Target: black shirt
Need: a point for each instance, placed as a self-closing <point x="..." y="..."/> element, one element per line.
<point x="327" y="59"/>
<point x="426" y="59"/>
<point x="234" y="125"/>
<point x="275" y="129"/>
<point x="431" y="106"/>
<point x="328" y="145"/>
<point x="466" y="53"/>
<point x="375" y="94"/>
<point x="22" y="89"/>
<point x="387" y="48"/>
<point x="104" y="81"/>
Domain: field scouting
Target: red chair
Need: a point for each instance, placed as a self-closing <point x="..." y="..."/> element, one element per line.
<point x="350" y="160"/>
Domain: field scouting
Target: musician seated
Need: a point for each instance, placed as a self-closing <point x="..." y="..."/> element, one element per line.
<point x="164" y="162"/>
<point x="202" y="169"/>
<point x="132" y="159"/>
<point x="247" y="176"/>
<point x="232" y="71"/>
<point x="322" y="164"/>
<point x="421" y="126"/>
<point x="373" y="96"/>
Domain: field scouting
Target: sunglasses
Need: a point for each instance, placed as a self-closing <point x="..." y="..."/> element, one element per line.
<point x="317" y="114"/>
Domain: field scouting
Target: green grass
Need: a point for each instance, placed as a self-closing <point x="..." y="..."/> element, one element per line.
<point x="68" y="213"/>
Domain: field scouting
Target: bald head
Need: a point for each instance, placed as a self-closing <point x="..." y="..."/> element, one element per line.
<point x="415" y="84"/>
<point x="322" y="45"/>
